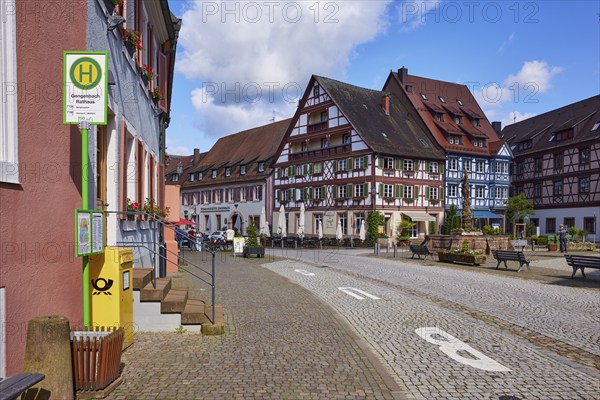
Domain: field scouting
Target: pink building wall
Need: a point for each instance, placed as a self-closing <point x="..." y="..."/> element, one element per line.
<point x="38" y="269"/>
<point x="172" y="201"/>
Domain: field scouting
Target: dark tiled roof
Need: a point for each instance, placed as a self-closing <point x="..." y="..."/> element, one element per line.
<point x="395" y="134"/>
<point x="451" y="93"/>
<point x="248" y="148"/>
<point x="542" y="130"/>
<point x="186" y="162"/>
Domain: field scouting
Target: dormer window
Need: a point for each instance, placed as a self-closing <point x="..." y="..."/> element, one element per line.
<point x="596" y="126"/>
<point x="261" y="167"/>
<point x="199" y="176"/>
<point x="476" y="122"/>
<point x="424" y="96"/>
<point x="175" y="178"/>
<point x="191" y="177"/>
<point x="460" y="103"/>
<point x="439" y="117"/>
<point x="228" y="171"/>
<point x="441" y="99"/>
<point x="454" y="140"/>
<point x="242" y="170"/>
<point x="457" y="119"/>
<point x="214" y="174"/>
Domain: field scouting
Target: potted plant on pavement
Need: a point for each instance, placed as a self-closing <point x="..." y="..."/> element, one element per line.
<point x="463" y="255"/>
<point x="402" y="233"/>
<point x="252" y="246"/>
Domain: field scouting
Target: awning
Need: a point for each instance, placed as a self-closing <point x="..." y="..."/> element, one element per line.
<point x="418" y="216"/>
<point x="482" y="214"/>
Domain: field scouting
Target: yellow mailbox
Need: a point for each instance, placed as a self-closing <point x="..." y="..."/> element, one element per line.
<point x="111" y="289"/>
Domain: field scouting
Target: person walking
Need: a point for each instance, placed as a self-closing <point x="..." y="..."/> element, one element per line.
<point x="562" y="238"/>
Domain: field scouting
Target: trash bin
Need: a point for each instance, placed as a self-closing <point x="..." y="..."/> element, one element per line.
<point x="96" y="357"/>
<point x="111" y="283"/>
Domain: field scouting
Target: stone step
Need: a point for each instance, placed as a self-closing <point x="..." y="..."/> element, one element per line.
<point x="174" y="301"/>
<point x="194" y="312"/>
<point x="149" y="293"/>
<point x="218" y="314"/>
<point x="141" y="277"/>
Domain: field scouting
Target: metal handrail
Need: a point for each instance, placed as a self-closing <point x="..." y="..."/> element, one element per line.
<point x="166" y="224"/>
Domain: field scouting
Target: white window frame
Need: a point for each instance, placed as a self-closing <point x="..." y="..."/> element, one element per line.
<point x="359" y="163"/>
<point x="407" y="192"/>
<point x="479" y="192"/>
<point x="214" y="174"/>
<point x="342" y="192"/>
<point x="433" y="193"/>
<point x="453" y="164"/>
<point x="342" y="165"/>
<point x="242" y="170"/>
<point x="480" y="166"/>
<point x="408" y="165"/>
<point x="452" y="190"/>
<point x="388" y="162"/>
<point x="434" y="167"/>
<point x="359" y="190"/>
<point x="388" y="190"/>
<point x="9" y="134"/>
<point x="261" y="167"/>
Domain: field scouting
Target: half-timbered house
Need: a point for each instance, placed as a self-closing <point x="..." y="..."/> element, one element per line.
<point x="557" y="165"/>
<point x="351" y="150"/>
<point x="451" y="114"/>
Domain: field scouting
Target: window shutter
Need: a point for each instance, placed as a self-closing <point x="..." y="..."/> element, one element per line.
<point x="427" y="166"/>
<point x="365" y="162"/>
<point x="278" y="195"/>
<point x="365" y="189"/>
<point x="427" y="192"/>
<point x="350" y="164"/>
<point x="163" y="75"/>
<point x="335" y="192"/>
<point x="323" y="192"/>
<point x="416" y="192"/>
<point x="441" y="168"/>
<point x="380" y="190"/>
<point x="349" y="190"/>
<point x="399" y="162"/>
<point x="380" y="162"/>
<point x="309" y="193"/>
<point x="441" y="191"/>
<point x="398" y="191"/>
<point x="335" y="165"/>
<point x="310" y="169"/>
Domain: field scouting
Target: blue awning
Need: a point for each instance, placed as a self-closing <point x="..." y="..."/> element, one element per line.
<point x="482" y="214"/>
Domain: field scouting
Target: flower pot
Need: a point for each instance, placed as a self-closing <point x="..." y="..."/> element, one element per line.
<point x="552" y="247"/>
<point x="130" y="49"/>
<point x="476" y="259"/>
<point x="259" y="251"/>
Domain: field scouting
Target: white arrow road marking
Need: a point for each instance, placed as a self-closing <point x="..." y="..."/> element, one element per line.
<point x="350" y="290"/>
<point x="450" y="346"/>
<point x="304" y="272"/>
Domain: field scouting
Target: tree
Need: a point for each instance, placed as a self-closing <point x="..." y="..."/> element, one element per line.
<point x="252" y="235"/>
<point x="374" y="220"/>
<point x="518" y="208"/>
<point x="402" y="231"/>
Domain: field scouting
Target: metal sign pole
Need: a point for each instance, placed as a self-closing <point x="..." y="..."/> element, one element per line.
<point x="84" y="126"/>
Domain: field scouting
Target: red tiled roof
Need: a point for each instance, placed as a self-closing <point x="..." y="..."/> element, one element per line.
<point x="451" y="93"/>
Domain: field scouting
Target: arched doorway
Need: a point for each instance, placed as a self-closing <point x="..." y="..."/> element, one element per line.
<point x="237" y="223"/>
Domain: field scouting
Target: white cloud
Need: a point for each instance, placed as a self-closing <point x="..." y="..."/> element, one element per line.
<point x="237" y="48"/>
<point x="413" y="14"/>
<point x="534" y="76"/>
<point x="506" y="43"/>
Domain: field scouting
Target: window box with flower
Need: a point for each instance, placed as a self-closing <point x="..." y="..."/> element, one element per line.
<point x="148" y="73"/>
<point x="156" y="95"/>
<point x="133" y="41"/>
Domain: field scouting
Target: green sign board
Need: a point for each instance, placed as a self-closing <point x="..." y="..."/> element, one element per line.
<point x="85" y="92"/>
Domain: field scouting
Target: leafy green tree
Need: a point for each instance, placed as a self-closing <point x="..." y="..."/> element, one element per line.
<point x="252" y="236"/>
<point x="519" y="207"/>
<point x="402" y="230"/>
<point x="374" y="220"/>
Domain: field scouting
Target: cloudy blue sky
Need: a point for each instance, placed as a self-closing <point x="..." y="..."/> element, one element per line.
<point x="242" y="63"/>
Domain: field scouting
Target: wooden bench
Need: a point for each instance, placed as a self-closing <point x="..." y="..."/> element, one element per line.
<point x="419" y="250"/>
<point x="580" y="262"/>
<point x="13" y="386"/>
<point x="511" y="255"/>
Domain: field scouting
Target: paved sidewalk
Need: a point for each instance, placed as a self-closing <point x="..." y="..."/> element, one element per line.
<point x="281" y="342"/>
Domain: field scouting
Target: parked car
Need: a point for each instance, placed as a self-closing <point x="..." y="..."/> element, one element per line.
<point x="217" y="235"/>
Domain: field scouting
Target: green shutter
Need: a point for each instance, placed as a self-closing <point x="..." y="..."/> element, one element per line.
<point x="441" y="191"/>
<point x="310" y="169"/>
<point x="323" y="192"/>
<point x="427" y="166"/>
<point x="427" y="192"/>
<point x="398" y="163"/>
<point x="349" y="191"/>
<point x="335" y="165"/>
<point x="365" y="189"/>
<point x="334" y="190"/>
<point x="398" y="191"/>
<point x="441" y="167"/>
<point x="380" y="162"/>
<point x="380" y="190"/>
<point x="416" y="192"/>
<point x="278" y="195"/>
<point x="309" y="193"/>
<point x="350" y="164"/>
<point x="290" y="171"/>
<point x="365" y="162"/>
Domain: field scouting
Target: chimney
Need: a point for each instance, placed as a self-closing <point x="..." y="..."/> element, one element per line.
<point x="497" y="125"/>
<point x="403" y="75"/>
<point x="196" y="156"/>
<point x="385" y="103"/>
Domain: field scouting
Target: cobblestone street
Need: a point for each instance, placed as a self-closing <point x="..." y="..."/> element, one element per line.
<point x="527" y="325"/>
<point x="281" y="342"/>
